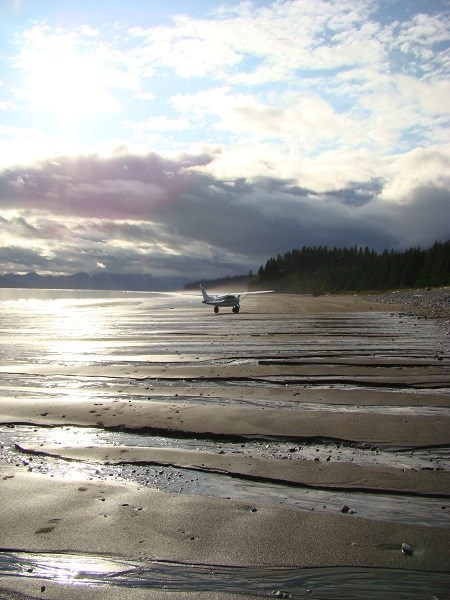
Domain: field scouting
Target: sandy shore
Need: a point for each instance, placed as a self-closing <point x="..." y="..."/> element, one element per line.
<point x="231" y="394"/>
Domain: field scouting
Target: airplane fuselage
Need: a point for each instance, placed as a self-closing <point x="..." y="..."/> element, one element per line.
<point x="221" y="301"/>
<point x="227" y="300"/>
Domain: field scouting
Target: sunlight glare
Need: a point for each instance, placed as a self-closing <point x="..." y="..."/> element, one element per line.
<point x="72" y="436"/>
<point x="80" y="332"/>
<point x="69" y="567"/>
<point x="66" y="81"/>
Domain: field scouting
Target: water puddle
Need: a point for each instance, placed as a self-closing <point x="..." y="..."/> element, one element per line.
<point x="349" y="583"/>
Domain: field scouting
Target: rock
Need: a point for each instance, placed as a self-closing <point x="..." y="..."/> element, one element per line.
<point x="345" y="509"/>
<point x="406" y="549"/>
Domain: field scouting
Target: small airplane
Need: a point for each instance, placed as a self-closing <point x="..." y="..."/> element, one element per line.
<point x="232" y="300"/>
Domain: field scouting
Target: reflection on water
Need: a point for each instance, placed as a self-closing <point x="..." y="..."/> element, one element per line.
<point x="60" y="567"/>
<point x="337" y="583"/>
<point x="73" y="326"/>
<point x="63" y="327"/>
<point x="326" y="451"/>
<point x="400" y="508"/>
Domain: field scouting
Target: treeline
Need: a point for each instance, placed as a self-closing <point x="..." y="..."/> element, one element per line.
<point x="318" y="270"/>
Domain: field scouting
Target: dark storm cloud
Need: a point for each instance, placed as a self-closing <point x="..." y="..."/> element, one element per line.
<point x="41" y="229"/>
<point x="357" y="193"/>
<point x="139" y="214"/>
<point x="17" y="259"/>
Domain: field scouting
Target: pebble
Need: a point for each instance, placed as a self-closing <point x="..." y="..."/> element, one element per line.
<point x="435" y="301"/>
<point x="406" y="549"/>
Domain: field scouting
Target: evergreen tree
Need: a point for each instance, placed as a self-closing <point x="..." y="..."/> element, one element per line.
<point x="317" y="270"/>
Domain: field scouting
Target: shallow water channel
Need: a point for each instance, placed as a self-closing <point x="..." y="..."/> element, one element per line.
<point x="346" y="583"/>
<point x="404" y="508"/>
<point x="320" y="450"/>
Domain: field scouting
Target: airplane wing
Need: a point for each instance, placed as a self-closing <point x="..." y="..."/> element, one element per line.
<point x="244" y="294"/>
<point x="226" y="299"/>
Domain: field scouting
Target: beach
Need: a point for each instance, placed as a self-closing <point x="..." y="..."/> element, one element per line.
<point x="154" y="449"/>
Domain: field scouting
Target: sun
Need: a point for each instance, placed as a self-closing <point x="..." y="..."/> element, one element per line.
<point x="66" y="78"/>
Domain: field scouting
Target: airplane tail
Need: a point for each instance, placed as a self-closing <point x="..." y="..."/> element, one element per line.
<point x="206" y="298"/>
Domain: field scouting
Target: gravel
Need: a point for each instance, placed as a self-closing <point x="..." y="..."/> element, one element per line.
<point x="433" y="302"/>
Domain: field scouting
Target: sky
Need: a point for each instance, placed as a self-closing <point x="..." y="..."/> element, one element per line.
<point x="200" y="138"/>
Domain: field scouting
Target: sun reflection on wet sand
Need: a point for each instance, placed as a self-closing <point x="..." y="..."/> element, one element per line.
<point x="71" y="436"/>
<point x="351" y="582"/>
<point x="77" y="331"/>
<point x="68" y="568"/>
<point x="81" y="327"/>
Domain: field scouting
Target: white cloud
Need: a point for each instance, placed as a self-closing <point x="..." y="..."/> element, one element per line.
<point x="421" y="167"/>
<point x="7" y="106"/>
<point x="422" y="32"/>
<point x="163" y="124"/>
<point x="282" y="38"/>
<point x="306" y="119"/>
<point x="144" y="96"/>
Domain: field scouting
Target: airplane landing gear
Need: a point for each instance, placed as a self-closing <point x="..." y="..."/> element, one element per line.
<point x="236" y="308"/>
<point x="216" y="309"/>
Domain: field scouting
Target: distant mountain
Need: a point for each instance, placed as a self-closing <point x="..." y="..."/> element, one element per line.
<point x="98" y="281"/>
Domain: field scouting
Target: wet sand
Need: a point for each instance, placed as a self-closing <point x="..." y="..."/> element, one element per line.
<point x="197" y="375"/>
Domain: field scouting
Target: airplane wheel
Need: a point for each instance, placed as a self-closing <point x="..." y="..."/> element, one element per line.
<point x="235" y="309"/>
<point x="216" y="309"/>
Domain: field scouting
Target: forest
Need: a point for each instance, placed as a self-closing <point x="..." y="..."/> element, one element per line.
<point x="318" y="270"/>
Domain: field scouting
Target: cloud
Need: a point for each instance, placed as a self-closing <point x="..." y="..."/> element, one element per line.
<point x="204" y="145"/>
<point x="152" y="214"/>
<point x="349" y="77"/>
<point x="420" y="33"/>
<point x="420" y="168"/>
<point x="281" y="38"/>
